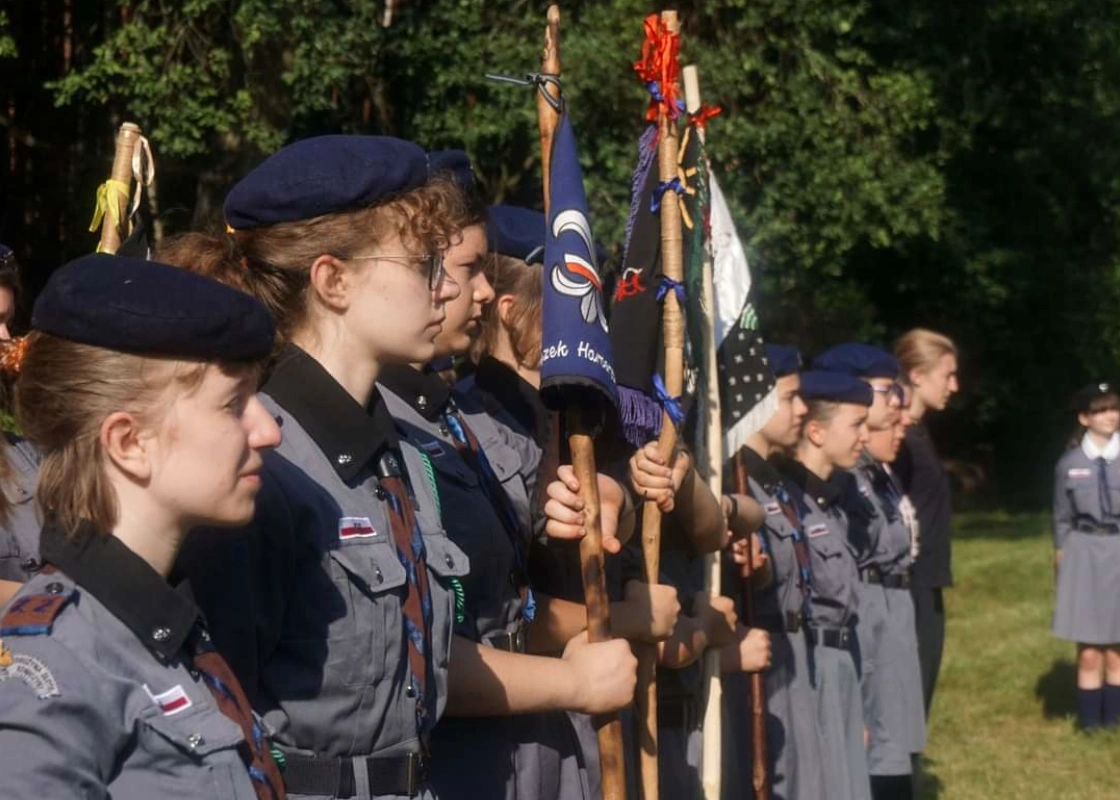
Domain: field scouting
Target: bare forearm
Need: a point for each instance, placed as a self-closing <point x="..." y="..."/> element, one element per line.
<point x="700" y="514"/>
<point x="686" y="645"/>
<point x="483" y="681"/>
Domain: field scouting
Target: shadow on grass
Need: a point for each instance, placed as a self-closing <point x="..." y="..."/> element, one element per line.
<point x="929" y="786"/>
<point x="1057" y="689"/>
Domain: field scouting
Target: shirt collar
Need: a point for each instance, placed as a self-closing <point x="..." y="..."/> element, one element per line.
<point x="160" y="615"/>
<point x="1109" y="453"/>
<point x="515" y="394"/>
<point x="426" y="392"/>
<point x="823" y="493"/>
<point x="349" y="436"/>
<point x="761" y="470"/>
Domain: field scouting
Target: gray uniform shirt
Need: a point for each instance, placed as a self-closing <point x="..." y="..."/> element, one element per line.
<point x="784" y="594"/>
<point x="1077" y="494"/>
<point x="97" y="696"/>
<point x="306" y="604"/>
<point x="834" y="600"/>
<point x="19" y="532"/>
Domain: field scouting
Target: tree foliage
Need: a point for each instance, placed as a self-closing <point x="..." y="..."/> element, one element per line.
<point x="890" y="163"/>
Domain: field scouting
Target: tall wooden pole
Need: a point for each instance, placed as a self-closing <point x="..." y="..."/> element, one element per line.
<point x="760" y="764"/>
<point x="111" y="232"/>
<point x="672" y="334"/>
<point x="582" y="447"/>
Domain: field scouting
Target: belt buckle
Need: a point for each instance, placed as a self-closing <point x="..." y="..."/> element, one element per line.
<point x="845" y="636"/>
<point x="517" y="639"/>
<point x="417" y="773"/>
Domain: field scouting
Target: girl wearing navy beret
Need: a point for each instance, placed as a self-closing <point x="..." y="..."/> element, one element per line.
<point x="139" y="387"/>
<point x="1087" y="553"/>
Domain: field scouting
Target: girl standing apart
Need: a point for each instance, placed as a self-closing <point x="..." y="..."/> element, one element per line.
<point x="1087" y="553"/>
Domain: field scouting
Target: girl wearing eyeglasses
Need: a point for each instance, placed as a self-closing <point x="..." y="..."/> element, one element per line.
<point x="1087" y="553"/>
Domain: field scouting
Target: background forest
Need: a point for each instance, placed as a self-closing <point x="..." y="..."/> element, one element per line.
<point x="891" y="162"/>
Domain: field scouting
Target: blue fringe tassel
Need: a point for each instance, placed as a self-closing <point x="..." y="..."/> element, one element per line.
<point x="641" y="416"/>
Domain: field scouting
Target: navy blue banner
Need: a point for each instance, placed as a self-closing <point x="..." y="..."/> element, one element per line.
<point x="575" y="345"/>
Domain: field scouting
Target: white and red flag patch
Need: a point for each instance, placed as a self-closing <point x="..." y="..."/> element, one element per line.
<point x="172" y="701"/>
<point x="355" y="528"/>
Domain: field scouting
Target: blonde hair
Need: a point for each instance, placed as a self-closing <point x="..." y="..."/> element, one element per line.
<point x="920" y="349"/>
<point x="64" y="392"/>
<point x="273" y="263"/>
<point x="523" y="282"/>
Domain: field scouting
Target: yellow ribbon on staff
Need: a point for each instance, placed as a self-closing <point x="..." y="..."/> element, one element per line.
<point x="109" y="195"/>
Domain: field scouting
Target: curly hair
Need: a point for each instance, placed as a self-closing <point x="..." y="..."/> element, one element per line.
<point x="273" y="263"/>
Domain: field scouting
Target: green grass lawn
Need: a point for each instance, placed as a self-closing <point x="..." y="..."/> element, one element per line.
<point x="1003" y="717"/>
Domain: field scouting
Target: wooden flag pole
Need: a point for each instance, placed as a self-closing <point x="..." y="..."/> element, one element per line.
<point x="112" y="224"/>
<point x="672" y="334"/>
<point x="760" y="764"/>
<point x="711" y="770"/>
<point x="581" y="443"/>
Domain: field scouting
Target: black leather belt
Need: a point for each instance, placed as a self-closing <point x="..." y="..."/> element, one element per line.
<point x="839" y="638"/>
<point x="680" y="713"/>
<point x="871" y="574"/>
<point x="400" y="775"/>
<point x="1098" y="530"/>
<point x="511" y="641"/>
<point x="902" y="581"/>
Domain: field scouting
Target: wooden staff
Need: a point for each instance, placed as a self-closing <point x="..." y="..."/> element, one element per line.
<point x="672" y="334"/>
<point x="114" y="223"/>
<point x="580" y="424"/>
<point x="759" y="749"/>
<point x="711" y="770"/>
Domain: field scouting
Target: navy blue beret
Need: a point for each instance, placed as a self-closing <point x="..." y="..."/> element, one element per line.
<point x="859" y="361"/>
<point x="516" y="232"/>
<point x="325" y="175"/>
<point x="138" y="306"/>
<point x="1084" y="398"/>
<point x="5" y="251"/>
<point x="835" y="387"/>
<point x="784" y="360"/>
<point x="454" y="162"/>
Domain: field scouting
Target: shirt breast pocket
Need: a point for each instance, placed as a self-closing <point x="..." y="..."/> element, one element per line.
<point x="1086" y="499"/>
<point x="447" y="564"/>
<point x="192" y="750"/>
<point x="370" y="642"/>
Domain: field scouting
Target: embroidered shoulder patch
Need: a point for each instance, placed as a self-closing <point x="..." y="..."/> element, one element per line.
<point x="772" y="508"/>
<point x="29" y="670"/>
<point x="35" y="614"/>
<point x="356" y="528"/>
<point x="1080" y="473"/>
<point x="820" y="529"/>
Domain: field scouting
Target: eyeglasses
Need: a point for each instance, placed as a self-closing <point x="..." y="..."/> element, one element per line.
<point x="896" y="396"/>
<point x="437" y="275"/>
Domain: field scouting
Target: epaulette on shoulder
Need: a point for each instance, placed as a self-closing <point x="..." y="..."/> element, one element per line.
<point x="34" y="614"/>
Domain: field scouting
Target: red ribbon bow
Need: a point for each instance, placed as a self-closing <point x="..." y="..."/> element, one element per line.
<point x="660" y="65"/>
<point x="700" y="118"/>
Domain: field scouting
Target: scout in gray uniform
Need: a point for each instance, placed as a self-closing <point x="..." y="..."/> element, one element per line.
<point x="336" y="605"/>
<point x="485" y="475"/>
<point x="795" y="768"/>
<point x="505" y="383"/>
<point x="138" y="385"/>
<point x="880" y="541"/>
<point x="1087" y="553"/>
<point x="832" y="437"/>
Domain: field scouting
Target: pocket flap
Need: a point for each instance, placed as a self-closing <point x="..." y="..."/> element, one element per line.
<point x="445" y="558"/>
<point x="372" y="564"/>
<point x="200" y="730"/>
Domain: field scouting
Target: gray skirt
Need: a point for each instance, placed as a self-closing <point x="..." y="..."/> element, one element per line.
<point x="904" y="716"/>
<point x="840" y="719"/>
<point x="1087" y="607"/>
<point x="792" y="738"/>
